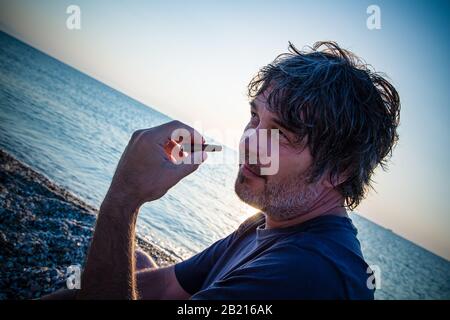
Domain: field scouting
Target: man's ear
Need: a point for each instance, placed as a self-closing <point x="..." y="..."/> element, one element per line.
<point x="332" y="181"/>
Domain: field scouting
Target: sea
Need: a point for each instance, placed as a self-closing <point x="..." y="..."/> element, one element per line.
<point x="73" y="128"/>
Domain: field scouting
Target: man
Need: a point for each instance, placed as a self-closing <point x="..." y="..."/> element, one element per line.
<point x="337" y="122"/>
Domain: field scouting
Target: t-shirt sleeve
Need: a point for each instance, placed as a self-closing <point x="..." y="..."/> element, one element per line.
<point x="287" y="272"/>
<point x="191" y="273"/>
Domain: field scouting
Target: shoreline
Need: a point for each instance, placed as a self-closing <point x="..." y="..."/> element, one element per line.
<point x="44" y="228"/>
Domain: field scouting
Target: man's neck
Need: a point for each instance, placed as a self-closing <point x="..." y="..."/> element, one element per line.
<point x="330" y="204"/>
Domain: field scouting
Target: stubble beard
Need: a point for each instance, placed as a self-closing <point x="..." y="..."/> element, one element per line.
<point x="281" y="200"/>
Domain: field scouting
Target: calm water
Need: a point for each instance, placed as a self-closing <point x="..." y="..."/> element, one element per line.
<point x="73" y="129"/>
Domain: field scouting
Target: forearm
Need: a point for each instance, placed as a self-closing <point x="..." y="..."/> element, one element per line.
<point x="109" y="269"/>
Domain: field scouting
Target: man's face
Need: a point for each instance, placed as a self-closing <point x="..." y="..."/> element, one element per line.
<point x="285" y="194"/>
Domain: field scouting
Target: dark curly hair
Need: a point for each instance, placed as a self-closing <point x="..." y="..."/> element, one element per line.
<point x="347" y="112"/>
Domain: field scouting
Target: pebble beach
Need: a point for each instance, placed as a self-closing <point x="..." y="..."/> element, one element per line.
<point x="43" y="230"/>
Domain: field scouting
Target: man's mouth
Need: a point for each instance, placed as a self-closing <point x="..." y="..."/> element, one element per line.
<point x="250" y="171"/>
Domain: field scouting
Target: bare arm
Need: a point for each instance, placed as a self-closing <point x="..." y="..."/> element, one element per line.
<point x="160" y="283"/>
<point x="149" y="166"/>
<point x="151" y="284"/>
<point x="109" y="271"/>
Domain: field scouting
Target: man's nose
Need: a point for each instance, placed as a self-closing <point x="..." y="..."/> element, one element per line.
<point x="256" y="142"/>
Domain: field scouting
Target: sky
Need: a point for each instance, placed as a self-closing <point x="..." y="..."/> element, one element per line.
<point x="193" y="60"/>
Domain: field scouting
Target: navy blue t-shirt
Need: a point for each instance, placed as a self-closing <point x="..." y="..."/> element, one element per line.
<point x="318" y="259"/>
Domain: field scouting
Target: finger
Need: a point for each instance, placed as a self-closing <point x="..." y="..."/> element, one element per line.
<point x="181" y="132"/>
<point x="191" y="163"/>
<point x="187" y="135"/>
<point x="189" y="158"/>
<point x="175" y="152"/>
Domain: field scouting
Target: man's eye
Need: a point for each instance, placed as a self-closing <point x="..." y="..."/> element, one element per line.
<point x="253" y="117"/>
